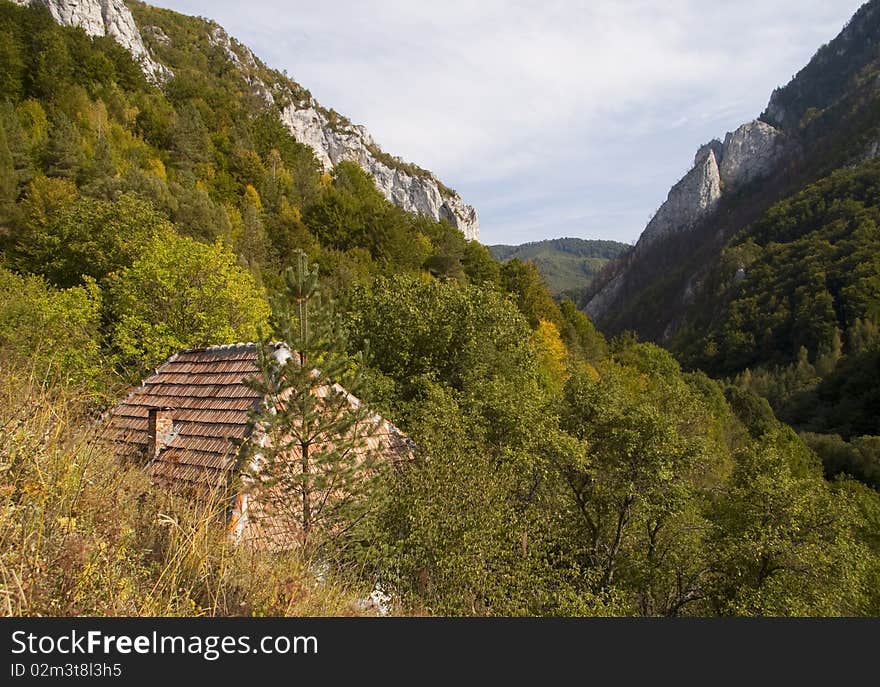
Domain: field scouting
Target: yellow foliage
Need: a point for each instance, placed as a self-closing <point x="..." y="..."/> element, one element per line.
<point x="252" y="197"/>
<point x="284" y="179"/>
<point x="326" y="180"/>
<point x="156" y="167"/>
<point x="237" y="225"/>
<point x="551" y="354"/>
<point x="34" y="122"/>
<point x="588" y="370"/>
<point x="98" y="119"/>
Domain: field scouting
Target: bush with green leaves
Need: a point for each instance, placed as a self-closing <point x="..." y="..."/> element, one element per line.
<point x="181" y="294"/>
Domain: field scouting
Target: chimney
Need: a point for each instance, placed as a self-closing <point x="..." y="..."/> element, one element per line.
<point x="160" y="430"/>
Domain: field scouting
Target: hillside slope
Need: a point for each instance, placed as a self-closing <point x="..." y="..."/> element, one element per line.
<point x="826" y="118"/>
<point x="568" y="264"/>
<point x="154" y="38"/>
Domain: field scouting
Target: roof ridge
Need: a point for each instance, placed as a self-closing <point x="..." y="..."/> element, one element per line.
<point x="245" y="345"/>
<point x="219" y="347"/>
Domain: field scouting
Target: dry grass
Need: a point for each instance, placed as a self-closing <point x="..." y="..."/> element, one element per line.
<point x="83" y="534"/>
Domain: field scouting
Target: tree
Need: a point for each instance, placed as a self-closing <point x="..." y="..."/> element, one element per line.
<point x="55" y="331"/>
<point x="100" y="175"/>
<point x="8" y="177"/>
<point x="65" y="239"/>
<point x="312" y="437"/>
<point x="634" y="482"/>
<point x="12" y="65"/>
<point x="199" y="216"/>
<point x="64" y="154"/>
<point x="552" y="356"/>
<point x="783" y="543"/>
<point x="180" y="294"/>
<point x="523" y="280"/>
<point x="479" y="265"/>
<point x="580" y="334"/>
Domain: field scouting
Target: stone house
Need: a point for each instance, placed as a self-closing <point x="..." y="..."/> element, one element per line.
<point x="187" y="422"/>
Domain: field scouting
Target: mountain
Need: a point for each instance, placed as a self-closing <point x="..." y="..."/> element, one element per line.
<point x="823" y="120"/>
<point x="762" y="265"/>
<point x="332" y="137"/>
<point x="568" y="264"/>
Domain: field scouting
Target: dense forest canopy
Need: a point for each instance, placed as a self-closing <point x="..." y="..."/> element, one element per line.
<point x="556" y="473"/>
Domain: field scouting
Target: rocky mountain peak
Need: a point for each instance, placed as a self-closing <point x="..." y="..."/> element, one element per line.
<point x="748" y="153"/>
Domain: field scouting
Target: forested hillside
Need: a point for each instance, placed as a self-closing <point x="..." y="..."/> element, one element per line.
<point x="792" y="311"/>
<point x="556" y="472"/>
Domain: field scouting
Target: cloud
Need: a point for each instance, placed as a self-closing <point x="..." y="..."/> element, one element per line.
<point x="503" y="98"/>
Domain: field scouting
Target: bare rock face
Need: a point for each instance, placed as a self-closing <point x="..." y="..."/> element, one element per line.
<point x="749" y="153"/>
<point x="689" y="200"/>
<point x="333" y="140"/>
<point x="603" y="301"/>
<point x="104" y="18"/>
<point x="407" y="186"/>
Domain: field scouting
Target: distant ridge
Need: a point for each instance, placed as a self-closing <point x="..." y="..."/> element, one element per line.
<point x="567" y="264"/>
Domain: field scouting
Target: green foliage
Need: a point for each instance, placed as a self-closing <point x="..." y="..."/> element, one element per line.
<point x="316" y="460"/>
<point x="792" y="310"/>
<point x="523" y="280"/>
<point x="66" y="240"/>
<point x="460" y="336"/>
<point x="181" y="294"/>
<point x="556" y="474"/>
<point x="568" y="265"/>
<point x="783" y="542"/>
<point x="579" y="333"/>
<point x="859" y="458"/>
<point x="352" y="213"/>
<point x="811" y="270"/>
<point x="55" y="331"/>
<point x="479" y="265"/>
<point x="637" y="485"/>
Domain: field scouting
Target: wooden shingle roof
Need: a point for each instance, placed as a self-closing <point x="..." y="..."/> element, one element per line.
<point x="204" y="392"/>
<point x="210" y="406"/>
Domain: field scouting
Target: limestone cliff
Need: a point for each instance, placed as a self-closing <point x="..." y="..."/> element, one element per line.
<point x="689" y="200"/>
<point x="331" y="137"/>
<point x="104" y="18"/>
<point x="410" y="187"/>
<point x="747" y="154"/>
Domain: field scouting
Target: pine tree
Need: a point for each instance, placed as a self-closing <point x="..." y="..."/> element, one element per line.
<point x="8" y="177"/>
<point x="100" y="174"/>
<point x="311" y="454"/>
<point x="64" y="153"/>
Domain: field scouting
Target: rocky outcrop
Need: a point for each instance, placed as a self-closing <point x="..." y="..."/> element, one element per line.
<point x="104" y="18"/>
<point x="689" y="200"/>
<point x="405" y="185"/>
<point x="749" y="153"/>
<point x="334" y="139"/>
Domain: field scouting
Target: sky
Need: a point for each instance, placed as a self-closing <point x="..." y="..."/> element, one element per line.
<point x="551" y="118"/>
